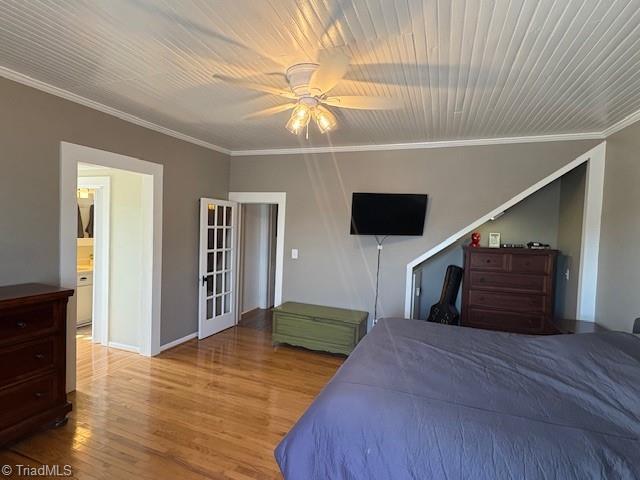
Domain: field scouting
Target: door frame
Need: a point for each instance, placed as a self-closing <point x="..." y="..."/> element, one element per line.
<point x="272" y="198"/>
<point x="101" y="247"/>
<point x="152" y="179"/>
<point x="271" y="253"/>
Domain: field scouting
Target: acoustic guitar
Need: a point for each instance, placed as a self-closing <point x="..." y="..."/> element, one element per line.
<point x="445" y="310"/>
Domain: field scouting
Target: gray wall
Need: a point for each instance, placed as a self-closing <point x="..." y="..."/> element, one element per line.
<point x="32" y="125"/>
<point x="533" y="219"/>
<point x="338" y="269"/>
<point x="618" y="300"/>
<point x="572" y="190"/>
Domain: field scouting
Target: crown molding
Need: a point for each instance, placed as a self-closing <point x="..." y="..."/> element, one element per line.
<point x="422" y="145"/>
<point x="625" y="122"/>
<point x="127" y="117"/>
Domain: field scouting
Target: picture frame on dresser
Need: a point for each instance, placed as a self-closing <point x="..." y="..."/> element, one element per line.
<point x="494" y="240"/>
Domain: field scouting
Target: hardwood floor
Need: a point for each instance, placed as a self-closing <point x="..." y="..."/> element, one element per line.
<point x="205" y="409"/>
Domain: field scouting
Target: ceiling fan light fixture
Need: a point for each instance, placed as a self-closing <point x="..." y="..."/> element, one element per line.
<point x="325" y="120"/>
<point x="299" y="119"/>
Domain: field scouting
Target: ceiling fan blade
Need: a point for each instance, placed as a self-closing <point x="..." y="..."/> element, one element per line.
<point x="333" y="67"/>
<point x="257" y="87"/>
<point x="359" y="102"/>
<point x="270" y="111"/>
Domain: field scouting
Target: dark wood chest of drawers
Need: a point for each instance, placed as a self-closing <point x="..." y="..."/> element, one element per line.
<point x="32" y="359"/>
<point x="509" y="289"/>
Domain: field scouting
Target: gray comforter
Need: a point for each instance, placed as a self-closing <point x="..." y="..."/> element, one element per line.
<point x="417" y="400"/>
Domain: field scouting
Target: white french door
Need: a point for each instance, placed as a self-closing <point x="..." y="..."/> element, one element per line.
<point x="216" y="311"/>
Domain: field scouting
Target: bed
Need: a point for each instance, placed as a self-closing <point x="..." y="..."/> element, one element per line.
<point x="418" y="400"/>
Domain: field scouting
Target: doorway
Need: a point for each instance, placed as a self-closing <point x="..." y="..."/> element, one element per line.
<point x="257" y="256"/>
<point x="276" y="204"/>
<point x="111" y="244"/>
<point x="147" y="263"/>
<point x="93" y="245"/>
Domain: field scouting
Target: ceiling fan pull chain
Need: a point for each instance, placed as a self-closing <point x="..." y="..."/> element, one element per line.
<point x="307" y="131"/>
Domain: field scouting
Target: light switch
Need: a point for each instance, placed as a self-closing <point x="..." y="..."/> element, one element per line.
<point x="294" y="253"/>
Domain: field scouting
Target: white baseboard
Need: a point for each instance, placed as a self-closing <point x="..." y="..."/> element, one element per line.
<point x="179" y="341"/>
<point x="124" y="346"/>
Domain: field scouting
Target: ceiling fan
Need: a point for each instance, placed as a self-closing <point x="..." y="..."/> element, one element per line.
<point x="309" y="87"/>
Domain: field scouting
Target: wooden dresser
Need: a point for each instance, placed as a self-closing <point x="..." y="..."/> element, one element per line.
<point x="509" y="289"/>
<point x="32" y="359"/>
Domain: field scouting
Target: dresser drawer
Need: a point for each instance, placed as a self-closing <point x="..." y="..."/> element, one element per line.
<point x="22" y="323"/>
<point x="531" y="264"/>
<point x="488" y="261"/>
<point x="31" y="358"/>
<point x="512" y="322"/>
<point x="512" y="282"/>
<point x="27" y="398"/>
<point x="313" y="329"/>
<point x="507" y="301"/>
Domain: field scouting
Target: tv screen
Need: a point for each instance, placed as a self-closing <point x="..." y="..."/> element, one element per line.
<point x="388" y="213"/>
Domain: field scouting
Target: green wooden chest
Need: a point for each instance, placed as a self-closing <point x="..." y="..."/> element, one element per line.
<point x="329" y="329"/>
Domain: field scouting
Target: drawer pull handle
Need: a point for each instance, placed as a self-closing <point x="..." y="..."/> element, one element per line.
<point x="21" y="324"/>
<point x="488" y="260"/>
<point x="39" y="356"/>
<point x="38" y="394"/>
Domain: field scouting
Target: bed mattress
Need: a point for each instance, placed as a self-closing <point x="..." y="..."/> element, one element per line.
<point x="418" y="400"/>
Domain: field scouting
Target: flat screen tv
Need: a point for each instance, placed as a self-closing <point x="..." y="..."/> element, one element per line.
<point x="388" y="213"/>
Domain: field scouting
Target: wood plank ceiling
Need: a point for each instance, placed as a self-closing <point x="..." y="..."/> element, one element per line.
<point x="460" y="69"/>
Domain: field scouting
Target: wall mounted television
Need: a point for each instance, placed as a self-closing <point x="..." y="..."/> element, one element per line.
<point x="388" y="214"/>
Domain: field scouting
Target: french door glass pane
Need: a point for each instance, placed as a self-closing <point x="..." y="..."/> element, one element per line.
<point x="227" y="303"/>
<point x="210" y="308"/>
<point x="209" y="285"/>
<point x="219" y="238"/>
<point x="227" y="233"/>
<point x="220" y="216"/>
<point x="227" y="260"/>
<point x="219" y="283"/>
<point x="209" y="262"/>
<point x="210" y="237"/>
<point x="227" y="282"/>
<point x="211" y="215"/>
<point x="228" y="217"/>
<point x="218" y="306"/>
<point x="219" y="265"/>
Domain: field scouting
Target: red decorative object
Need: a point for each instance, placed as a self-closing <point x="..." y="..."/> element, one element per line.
<point x="475" y="239"/>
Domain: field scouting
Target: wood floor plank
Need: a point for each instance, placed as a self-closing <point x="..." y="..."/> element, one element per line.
<point x="206" y="409"/>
